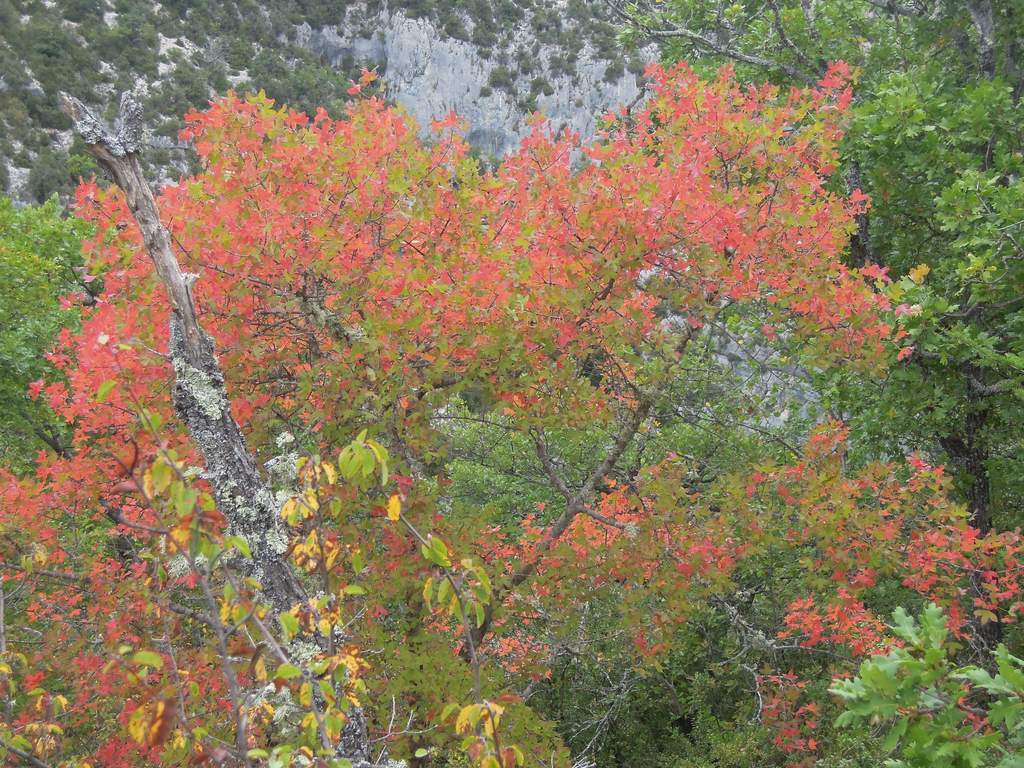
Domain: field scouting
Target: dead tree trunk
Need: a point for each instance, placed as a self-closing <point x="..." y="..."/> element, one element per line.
<point x="200" y="397"/>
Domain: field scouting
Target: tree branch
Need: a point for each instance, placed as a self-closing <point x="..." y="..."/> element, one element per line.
<point x="576" y="503"/>
<point x="26" y="757"/>
<point x="985" y="25"/>
<point x="711" y="46"/>
<point x="897" y="9"/>
<point x="200" y="396"/>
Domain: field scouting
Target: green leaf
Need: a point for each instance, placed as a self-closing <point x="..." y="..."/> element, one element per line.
<point x="846" y="719"/>
<point x="287" y="672"/>
<point x="148" y="659"/>
<point x="443" y="590"/>
<point x="439" y="553"/>
<point x="239" y="543"/>
<point x="20" y="742"/>
<point x="895" y="734"/>
<point x="104" y="389"/>
<point x="289" y="624"/>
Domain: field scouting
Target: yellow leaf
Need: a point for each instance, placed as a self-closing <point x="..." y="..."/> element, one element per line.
<point x="464" y="721"/>
<point x="394" y="508"/>
<point x="137" y="725"/>
<point x="428" y="590"/>
<point x="288" y="509"/>
<point x="332" y="558"/>
<point x="919" y="273"/>
<point x="311" y="500"/>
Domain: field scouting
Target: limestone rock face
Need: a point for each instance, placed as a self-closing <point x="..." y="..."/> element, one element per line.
<point x="431" y="74"/>
<point x="492" y="62"/>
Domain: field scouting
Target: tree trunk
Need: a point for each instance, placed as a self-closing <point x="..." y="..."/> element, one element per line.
<point x="969" y="456"/>
<point x="200" y="397"/>
<point x="985" y="24"/>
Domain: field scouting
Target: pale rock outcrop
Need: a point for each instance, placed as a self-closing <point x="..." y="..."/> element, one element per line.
<point x="431" y="74"/>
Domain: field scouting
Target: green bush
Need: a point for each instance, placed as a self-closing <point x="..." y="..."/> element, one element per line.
<point x="929" y="707"/>
<point x="49" y="175"/>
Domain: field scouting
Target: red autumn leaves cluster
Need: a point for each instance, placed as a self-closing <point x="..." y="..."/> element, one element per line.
<point x="353" y="275"/>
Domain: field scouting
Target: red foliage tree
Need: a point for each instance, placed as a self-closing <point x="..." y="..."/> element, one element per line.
<point x="355" y="280"/>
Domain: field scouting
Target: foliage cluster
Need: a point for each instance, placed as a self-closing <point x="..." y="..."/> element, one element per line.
<point x="620" y="462"/>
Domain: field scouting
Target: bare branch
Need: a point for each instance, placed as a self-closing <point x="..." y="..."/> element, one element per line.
<point x="25" y="756"/>
<point x="897" y="9"/>
<point x="780" y="30"/>
<point x="549" y="467"/>
<point x="576" y="503"/>
<point x="709" y="45"/>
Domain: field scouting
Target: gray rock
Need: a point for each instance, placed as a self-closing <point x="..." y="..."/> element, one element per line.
<point x="431" y="74"/>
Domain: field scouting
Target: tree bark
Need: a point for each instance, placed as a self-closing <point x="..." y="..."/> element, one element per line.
<point x="200" y="397"/>
<point x="966" y="449"/>
<point x="861" y="253"/>
<point x="985" y="25"/>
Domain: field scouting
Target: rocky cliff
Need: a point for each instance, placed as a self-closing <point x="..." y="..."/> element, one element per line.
<point x="432" y="74"/>
<point x="494" y="62"/>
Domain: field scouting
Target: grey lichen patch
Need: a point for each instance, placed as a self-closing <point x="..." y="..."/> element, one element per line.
<point x="283" y="703"/>
<point x="207" y="394"/>
<point x="277" y="540"/>
<point x="193" y="473"/>
<point x="239" y="511"/>
<point x="179" y="565"/>
<point x="303" y="652"/>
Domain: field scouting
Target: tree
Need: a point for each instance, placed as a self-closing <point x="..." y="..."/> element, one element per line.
<point x="936" y="144"/>
<point x="258" y="521"/>
<point x="40" y="261"/>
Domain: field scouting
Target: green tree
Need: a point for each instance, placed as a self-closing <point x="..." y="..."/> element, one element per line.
<point x="40" y="261"/>
<point x="936" y="142"/>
